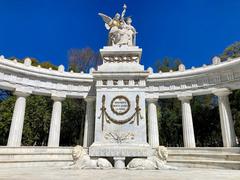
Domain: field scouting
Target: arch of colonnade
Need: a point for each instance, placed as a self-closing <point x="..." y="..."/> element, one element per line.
<point x="219" y="78"/>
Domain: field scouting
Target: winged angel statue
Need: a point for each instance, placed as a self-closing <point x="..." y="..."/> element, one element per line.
<point x="121" y="31"/>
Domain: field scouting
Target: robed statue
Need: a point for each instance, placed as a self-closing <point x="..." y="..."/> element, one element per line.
<point x="121" y="31"/>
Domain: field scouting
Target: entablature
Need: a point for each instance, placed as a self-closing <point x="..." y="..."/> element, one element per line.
<point x="15" y="75"/>
<point x="198" y="81"/>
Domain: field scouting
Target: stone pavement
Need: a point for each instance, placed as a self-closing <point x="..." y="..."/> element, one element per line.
<point x="32" y="173"/>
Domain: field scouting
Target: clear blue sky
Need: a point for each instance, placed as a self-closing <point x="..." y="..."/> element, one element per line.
<point x="192" y="30"/>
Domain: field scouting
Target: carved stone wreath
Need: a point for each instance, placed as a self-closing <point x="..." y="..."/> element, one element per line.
<point x="136" y="116"/>
<point x="117" y="112"/>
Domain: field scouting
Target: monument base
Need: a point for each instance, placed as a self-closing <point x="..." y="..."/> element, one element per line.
<point x="112" y="150"/>
<point x="201" y="157"/>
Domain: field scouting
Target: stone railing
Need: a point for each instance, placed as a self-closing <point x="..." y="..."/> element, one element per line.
<point x="197" y="81"/>
<point x="36" y="80"/>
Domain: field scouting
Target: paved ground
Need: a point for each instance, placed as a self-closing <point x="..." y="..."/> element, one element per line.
<point x="59" y="174"/>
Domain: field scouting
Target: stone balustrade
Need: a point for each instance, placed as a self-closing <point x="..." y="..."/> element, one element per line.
<point x="43" y="81"/>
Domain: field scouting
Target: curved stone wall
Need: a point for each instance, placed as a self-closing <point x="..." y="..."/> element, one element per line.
<point x="36" y="80"/>
<point x="196" y="81"/>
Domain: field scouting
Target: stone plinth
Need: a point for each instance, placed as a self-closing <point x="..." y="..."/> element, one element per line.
<point x="119" y="150"/>
<point x="120" y="120"/>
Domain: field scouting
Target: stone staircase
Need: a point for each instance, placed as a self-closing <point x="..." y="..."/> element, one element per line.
<point x="221" y="158"/>
<point x="34" y="156"/>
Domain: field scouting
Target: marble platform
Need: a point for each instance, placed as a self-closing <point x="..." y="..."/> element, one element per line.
<point x="215" y="158"/>
<point x="38" y="173"/>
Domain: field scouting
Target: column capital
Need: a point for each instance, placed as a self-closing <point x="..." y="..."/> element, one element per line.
<point x="22" y="92"/>
<point x="185" y="97"/>
<point x="58" y="97"/>
<point x="222" y="92"/>
<point x="152" y="100"/>
<point x="90" y="99"/>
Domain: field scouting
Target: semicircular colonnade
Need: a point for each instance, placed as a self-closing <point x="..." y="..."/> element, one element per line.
<point x="219" y="78"/>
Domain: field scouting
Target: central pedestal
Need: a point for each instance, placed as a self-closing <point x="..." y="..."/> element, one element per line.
<point x="120" y="123"/>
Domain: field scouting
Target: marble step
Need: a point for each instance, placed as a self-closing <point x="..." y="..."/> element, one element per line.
<point x="228" y="158"/>
<point x="217" y="164"/>
<point x="204" y="156"/>
<point x="42" y="163"/>
<point x="34" y="150"/>
<point x="35" y="157"/>
<point x="234" y="150"/>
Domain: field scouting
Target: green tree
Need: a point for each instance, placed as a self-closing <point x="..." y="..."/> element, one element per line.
<point x="206" y="121"/>
<point x="37" y="120"/>
<point x="232" y="51"/>
<point x="170" y="123"/>
<point x="167" y="64"/>
<point x="72" y="124"/>
<point x="6" y="110"/>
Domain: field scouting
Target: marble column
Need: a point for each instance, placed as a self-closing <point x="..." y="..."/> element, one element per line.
<point x="227" y="127"/>
<point x="89" y="122"/>
<point x="15" y="134"/>
<point x="187" y="122"/>
<point x="55" y="126"/>
<point x="153" y="135"/>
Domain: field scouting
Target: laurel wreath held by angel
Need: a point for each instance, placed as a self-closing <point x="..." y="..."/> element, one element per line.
<point x="121" y="31"/>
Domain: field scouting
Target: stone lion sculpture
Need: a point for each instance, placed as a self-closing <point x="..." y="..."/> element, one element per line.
<point x="158" y="161"/>
<point x="81" y="160"/>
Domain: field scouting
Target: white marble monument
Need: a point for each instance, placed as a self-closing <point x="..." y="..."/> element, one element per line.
<point x="121" y="104"/>
<point x="120" y="120"/>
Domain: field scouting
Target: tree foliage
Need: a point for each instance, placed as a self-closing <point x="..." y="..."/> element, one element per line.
<point x="72" y="125"/>
<point x="37" y="120"/>
<point x="170" y="122"/>
<point x="6" y="110"/>
<point x="206" y="121"/>
<point x="167" y="64"/>
<point x="232" y="51"/>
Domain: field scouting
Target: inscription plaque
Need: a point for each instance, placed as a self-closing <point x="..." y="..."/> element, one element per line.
<point x="120" y="105"/>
